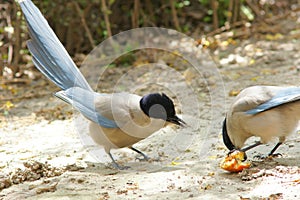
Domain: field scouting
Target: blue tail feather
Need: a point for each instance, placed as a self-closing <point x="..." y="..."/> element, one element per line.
<point x="51" y="58"/>
<point x="49" y="55"/>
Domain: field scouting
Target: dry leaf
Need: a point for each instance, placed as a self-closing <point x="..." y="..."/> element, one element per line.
<point x="233" y="93"/>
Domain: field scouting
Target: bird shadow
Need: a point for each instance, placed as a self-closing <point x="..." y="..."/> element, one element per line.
<point x="134" y="167"/>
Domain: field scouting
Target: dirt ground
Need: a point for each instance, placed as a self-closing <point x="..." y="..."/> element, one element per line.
<point x="43" y="157"/>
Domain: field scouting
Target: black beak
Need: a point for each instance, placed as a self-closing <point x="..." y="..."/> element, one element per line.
<point x="245" y="157"/>
<point x="176" y="120"/>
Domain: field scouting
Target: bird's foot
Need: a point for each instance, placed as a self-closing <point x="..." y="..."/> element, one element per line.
<point x="274" y="155"/>
<point x="148" y="159"/>
<point x="269" y="156"/>
<point x="119" y="167"/>
<point x="260" y="157"/>
<point x="143" y="159"/>
<point x="144" y="156"/>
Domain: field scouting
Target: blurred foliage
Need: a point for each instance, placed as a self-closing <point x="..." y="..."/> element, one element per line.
<point x="83" y="21"/>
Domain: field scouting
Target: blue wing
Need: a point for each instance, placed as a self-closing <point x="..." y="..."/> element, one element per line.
<point x="84" y="102"/>
<point x="284" y="96"/>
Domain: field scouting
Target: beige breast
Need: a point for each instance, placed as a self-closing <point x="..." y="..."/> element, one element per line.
<point x="119" y="138"/>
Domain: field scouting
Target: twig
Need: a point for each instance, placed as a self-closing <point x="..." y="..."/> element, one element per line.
<point x="136" y="13"/>
<point x="17" y="36"/>
<point x="255" y="9"/>
<point x="10" y="53"/>
<point x="15" y="81"/>
<point x="277" y="17"/>
<point x="174" y="15"/>
<point x="236" y="11"/>
<point x="147" y="20"/>
<point x="150" y="9"/>
<point x="226" y="28"/>
<point x="215" y="5"/>
<point x="88" y="32"/>
<point x="106" y="18"/>
<point x="9" y="35"/>
<point x="27" y="96"/>
<point x="230" y="11"/>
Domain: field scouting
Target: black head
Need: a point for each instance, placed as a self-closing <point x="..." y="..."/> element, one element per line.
<point x="228" y="142"/>
<point x="226" y="138"/>
<point x="160" y="106"/>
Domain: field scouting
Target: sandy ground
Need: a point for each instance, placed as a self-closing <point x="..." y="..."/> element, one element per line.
<point x="189" y="157"/>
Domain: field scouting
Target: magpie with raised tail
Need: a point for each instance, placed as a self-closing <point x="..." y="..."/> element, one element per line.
<point x="116" y="120"/>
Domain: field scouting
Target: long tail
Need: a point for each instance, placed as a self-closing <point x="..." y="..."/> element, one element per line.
<point x="49" y="55"/>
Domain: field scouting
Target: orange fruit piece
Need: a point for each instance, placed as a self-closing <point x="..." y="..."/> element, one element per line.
<point x="234" y="162"/>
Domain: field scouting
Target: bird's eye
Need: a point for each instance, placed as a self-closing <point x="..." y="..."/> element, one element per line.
<point x="158" y="111"/>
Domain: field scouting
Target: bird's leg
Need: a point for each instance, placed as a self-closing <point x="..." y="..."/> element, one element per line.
<point x="271" y="154"/>
<point x="115" y="164"/>
<point x="274" y="149"/>
<point x="145" y="157"/>
<point x="251" y="146"/>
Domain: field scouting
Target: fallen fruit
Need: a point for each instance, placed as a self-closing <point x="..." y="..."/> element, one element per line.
<point x="234" y="162"/>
